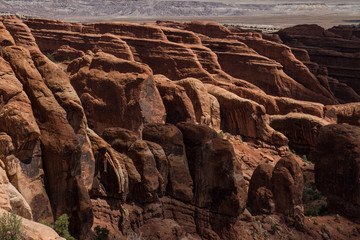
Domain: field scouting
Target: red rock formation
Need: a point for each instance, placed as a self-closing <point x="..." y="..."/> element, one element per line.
<point x="292" y="67"/>
<point x="117" y="88"/>
<point x="178" y="105"/>
<point x="152" y="184"/>
<point x="245" y="117"/>
<point x="218" y="182"/>
<point x="301" y="129"/>
<point x="65" y="153"/>
<point x="180" y="184"/>
<point x="331" y="48"/>
<point x="344" y="113"/>
<point x="67" y="53"/>
<point x="206" y="106"/>
<point x="184" y="181"/>
<point x="278" y="189"/>
<point x="337" y="169"/>
<point x="260" y="196"/>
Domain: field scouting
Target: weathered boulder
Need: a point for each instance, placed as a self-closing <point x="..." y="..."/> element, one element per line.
<point x="177" y="103"/>
<point x="66" y="52"/>
<point x="34" y="230"/>
<point x="336" y="158"/>
<point x="278" y="189"/>
<point x="260" y="196"/>
<point x="180" y="185"/>
<point x="11" y="199"/>
<point x="287" y="183"/>
<point x="117" y="89"/>
<point x="206" y="107"/>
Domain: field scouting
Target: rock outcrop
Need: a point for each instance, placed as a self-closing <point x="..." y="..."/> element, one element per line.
<point x="278" y="189"/>
<point x="216" y="172"/>
<point x="245" y="117"/>
<point x="301" y="129"/>
<point x="333" y="48"/>
<point x="336" y="158"/>
<point x="170" y="138"/>
<point x="119" y="89"/>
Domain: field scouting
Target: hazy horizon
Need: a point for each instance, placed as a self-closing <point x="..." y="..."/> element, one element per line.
<point x="259" y="12"/>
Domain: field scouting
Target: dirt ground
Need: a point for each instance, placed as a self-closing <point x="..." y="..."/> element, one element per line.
<point x="277" y="21"/>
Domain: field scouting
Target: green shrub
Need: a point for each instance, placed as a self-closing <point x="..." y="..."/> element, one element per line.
<point x="51" y="57"/>
<point x="313" y="200"/>
<point x="274" y="229"/>
<point x="101" y="233"/>
<point x="316" y="210"/>
<point x="61" y="226"/>
<point x="11" y="227"/>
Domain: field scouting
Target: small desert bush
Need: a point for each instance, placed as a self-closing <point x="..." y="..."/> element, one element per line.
<point x="100" y="233"/>
<point x="51" y="57"/>
<point x="11" y="227"/>
<point x="61" y="226"/>
<point x="314" y="202"/>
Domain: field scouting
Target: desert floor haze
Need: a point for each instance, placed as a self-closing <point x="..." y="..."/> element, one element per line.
<point x="261" y="12"/>
<point x="162" y="127"/>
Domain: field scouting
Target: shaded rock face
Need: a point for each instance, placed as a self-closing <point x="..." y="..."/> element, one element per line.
<point x="180" y="184"/>
<point x="260" y="195"/>
<point x="278" y="189"/>
<point x="336" y="157"/>
<point x="333" y="48"/>
<point x="152" y="183"/>
<point x="216" y="172"/>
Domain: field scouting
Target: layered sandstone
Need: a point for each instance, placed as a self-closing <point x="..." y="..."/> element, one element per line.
<point x="154" y="128"/>
<point x="335" y="49"/>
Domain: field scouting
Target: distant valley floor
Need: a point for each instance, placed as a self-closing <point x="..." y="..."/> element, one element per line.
<point x="261" y="21"/>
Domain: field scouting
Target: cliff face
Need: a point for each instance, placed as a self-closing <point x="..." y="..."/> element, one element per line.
<point x="141" y="127"/>
<point x="337" y="49"/>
